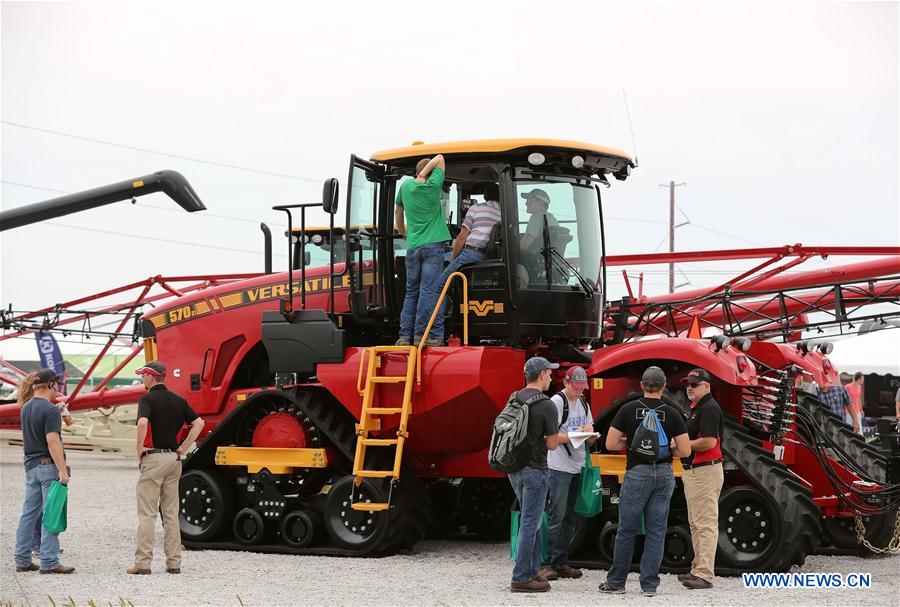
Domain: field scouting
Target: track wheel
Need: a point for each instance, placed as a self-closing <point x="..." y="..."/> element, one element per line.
<point x="300" y="528"/>
<point x="578" y="533"/>
<point x="484" y="506"/>
<point x="606" y="542"/>
<point x="678" y="551"/>
<point x="842" y="531"/>
<point x="249" y="527"/>
<point x="206" y="503"/>
<point x="750" y="529"/>
<point x="353" y="529"/>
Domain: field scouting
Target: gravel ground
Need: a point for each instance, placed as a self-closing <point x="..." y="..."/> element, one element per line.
<point x="100" y="543"/>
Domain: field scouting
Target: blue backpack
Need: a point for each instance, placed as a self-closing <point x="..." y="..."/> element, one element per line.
<point x="649" y="443"/>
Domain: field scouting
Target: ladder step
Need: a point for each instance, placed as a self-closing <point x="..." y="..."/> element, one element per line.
<point x="387" y="379"/>
<point x="378" y="442"/>
<point x="374" y="473"/>
<point x="369" y="506"/>
<point x="383" y="410"/>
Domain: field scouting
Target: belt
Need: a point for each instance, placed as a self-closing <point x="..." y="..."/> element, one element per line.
<point x="45" y="462"/>
<point x="701" y="464"/>
<point x="479" y="249"/>
<point x="152" y="451"/>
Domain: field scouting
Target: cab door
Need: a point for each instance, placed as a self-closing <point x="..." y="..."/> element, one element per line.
<point x="365" y="187"/>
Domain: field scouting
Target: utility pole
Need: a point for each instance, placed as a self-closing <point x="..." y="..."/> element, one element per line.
<point x="672" y="185"/>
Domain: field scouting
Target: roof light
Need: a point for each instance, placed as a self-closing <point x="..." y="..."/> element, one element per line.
<point x="577" y="161"/>
<point x="536" y="158"/>
<point x="826" y="347"/>
<point x="741" y="343"/>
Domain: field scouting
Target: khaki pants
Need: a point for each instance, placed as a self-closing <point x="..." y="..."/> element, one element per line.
<point x="702" y="487"/>
<point x="157" y="491"/>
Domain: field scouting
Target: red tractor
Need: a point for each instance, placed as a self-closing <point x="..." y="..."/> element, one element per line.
<point x="323" y="439"/>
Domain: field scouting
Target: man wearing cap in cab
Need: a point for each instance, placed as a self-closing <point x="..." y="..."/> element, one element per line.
<point x="703" y="477"/>
<point x="647" y="488"/>
<point x="573" y="415"/>
<point x="530" y="483"/>
<point x="164" y="414"/>
<point x="45" y="462"/>
<point x="537" y="203"/>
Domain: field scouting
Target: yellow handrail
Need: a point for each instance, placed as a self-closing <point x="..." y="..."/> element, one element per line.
<point x="434" y="313"/>
<point x="362" y="364"/>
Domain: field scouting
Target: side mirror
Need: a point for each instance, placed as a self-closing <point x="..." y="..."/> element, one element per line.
<point x="330" y="196"/>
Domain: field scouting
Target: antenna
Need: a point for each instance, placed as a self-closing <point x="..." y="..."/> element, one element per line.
<point x="630" y="127"/>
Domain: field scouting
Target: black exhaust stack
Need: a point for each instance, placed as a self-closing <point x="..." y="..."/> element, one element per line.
<point x="171" y="183"/>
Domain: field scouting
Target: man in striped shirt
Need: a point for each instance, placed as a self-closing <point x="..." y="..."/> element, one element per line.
<point x="472" y="242"/>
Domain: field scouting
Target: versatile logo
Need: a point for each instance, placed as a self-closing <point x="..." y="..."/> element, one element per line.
<point x="483" y="308"/>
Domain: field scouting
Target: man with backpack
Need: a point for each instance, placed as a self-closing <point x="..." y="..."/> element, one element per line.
<point x="645" y="428"/>
<point x="573" y="415"/>
<point x="523" y="432"/>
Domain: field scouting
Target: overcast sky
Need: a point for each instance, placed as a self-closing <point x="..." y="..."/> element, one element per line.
<point x="782" y="118"/>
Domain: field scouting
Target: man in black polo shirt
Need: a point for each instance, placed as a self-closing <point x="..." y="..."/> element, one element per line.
<point x="160" y="464"/>
<point x="647" y="488"/>
<point x="703" y="477"/>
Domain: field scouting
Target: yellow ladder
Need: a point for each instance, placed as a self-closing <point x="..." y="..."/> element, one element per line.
<point x="370" y="413"/>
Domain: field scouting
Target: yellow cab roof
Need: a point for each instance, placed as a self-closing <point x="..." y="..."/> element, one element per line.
<point x="487" y="146"/>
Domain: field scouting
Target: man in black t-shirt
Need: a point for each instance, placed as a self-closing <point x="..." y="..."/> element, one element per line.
<point x="647" y="488"/>
<point x="531" y="482"/>
<point x="165" y="413"/>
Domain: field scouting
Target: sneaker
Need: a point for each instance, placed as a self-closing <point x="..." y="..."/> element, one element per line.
<point x="683" y="577"/>
<point x="648" y="591"/>
<point x="135" y="570"/>
<point x="28" y="567"/>
<point x="59" y="569"/>
<point x="548" y="572"/>
<point x="531" y="586"/>
<point x="698" y="583"/>
<point x="403" y="341"/>
<point x="569" y="572"/>
<point x="607" y="589"/>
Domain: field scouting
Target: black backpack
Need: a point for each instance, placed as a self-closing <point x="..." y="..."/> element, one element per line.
<point x="649" y="443"/>
<point x="509" y="450"/>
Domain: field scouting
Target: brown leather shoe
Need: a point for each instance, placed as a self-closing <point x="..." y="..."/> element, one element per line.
<point x="683" y="577"/>
<point x="548" y="572"/>
<point x="59" y="569"/>
<point x="28" y="567"/>
<point x="530" y="586"/>
<point x="135" y="570"/>
<point x="569" y="572"/>
<point x="698" y="583"/>
<point x="173" y="569"/>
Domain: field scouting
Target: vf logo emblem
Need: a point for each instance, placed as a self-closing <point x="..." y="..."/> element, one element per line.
<point x="483" y="308"/>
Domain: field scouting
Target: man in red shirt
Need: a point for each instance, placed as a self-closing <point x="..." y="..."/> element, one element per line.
<point x="703" y="477"/>
<point x="855" y="390"/>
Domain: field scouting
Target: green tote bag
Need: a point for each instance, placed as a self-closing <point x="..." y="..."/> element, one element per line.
<point x="514" y="535"/>
<point x="590" y="494"/>
<point x="55" y="508"/>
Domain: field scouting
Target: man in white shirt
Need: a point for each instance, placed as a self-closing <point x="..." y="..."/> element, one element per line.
<point x="565" y="463"/>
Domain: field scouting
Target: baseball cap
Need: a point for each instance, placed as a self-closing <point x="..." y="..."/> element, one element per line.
<point x="537" y="364"/>
<point x="654" y="376"/>
<point x="577" y="377"/>
<point x="537" y="193"/>
<point x="154" y="368"/>
<point x="695" y="376"/>
<point x="46" y="376"/>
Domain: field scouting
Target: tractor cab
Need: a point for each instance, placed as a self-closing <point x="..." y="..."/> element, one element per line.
<point x="543" y="274"/>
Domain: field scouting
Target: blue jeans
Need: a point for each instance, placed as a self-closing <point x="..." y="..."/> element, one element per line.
<point x="37" y="486"/>
<point x="465" y="256"/>
<point x="530" y="487"/>
<point x="561" y="515"/>
<point x="423" y="266"/>
<point x="646" y="490"/>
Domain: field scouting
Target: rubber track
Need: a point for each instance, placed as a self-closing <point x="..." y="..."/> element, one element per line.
<point x="802" y="528"/>
<point x="869" y="458"/>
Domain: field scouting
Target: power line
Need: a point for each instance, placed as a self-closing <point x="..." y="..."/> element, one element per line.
<point x="149" y="151"/>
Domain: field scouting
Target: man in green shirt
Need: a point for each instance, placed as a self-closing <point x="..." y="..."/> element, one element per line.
<point x="426" y="232"/>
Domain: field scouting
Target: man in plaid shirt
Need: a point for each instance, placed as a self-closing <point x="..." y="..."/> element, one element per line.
<point x="835" y="397"/>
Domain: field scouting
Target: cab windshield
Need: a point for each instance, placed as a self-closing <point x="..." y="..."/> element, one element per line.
<point x="559" y="232"/>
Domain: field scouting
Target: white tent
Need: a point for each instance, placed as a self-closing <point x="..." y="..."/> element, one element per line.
<point x="875" y="352"/>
